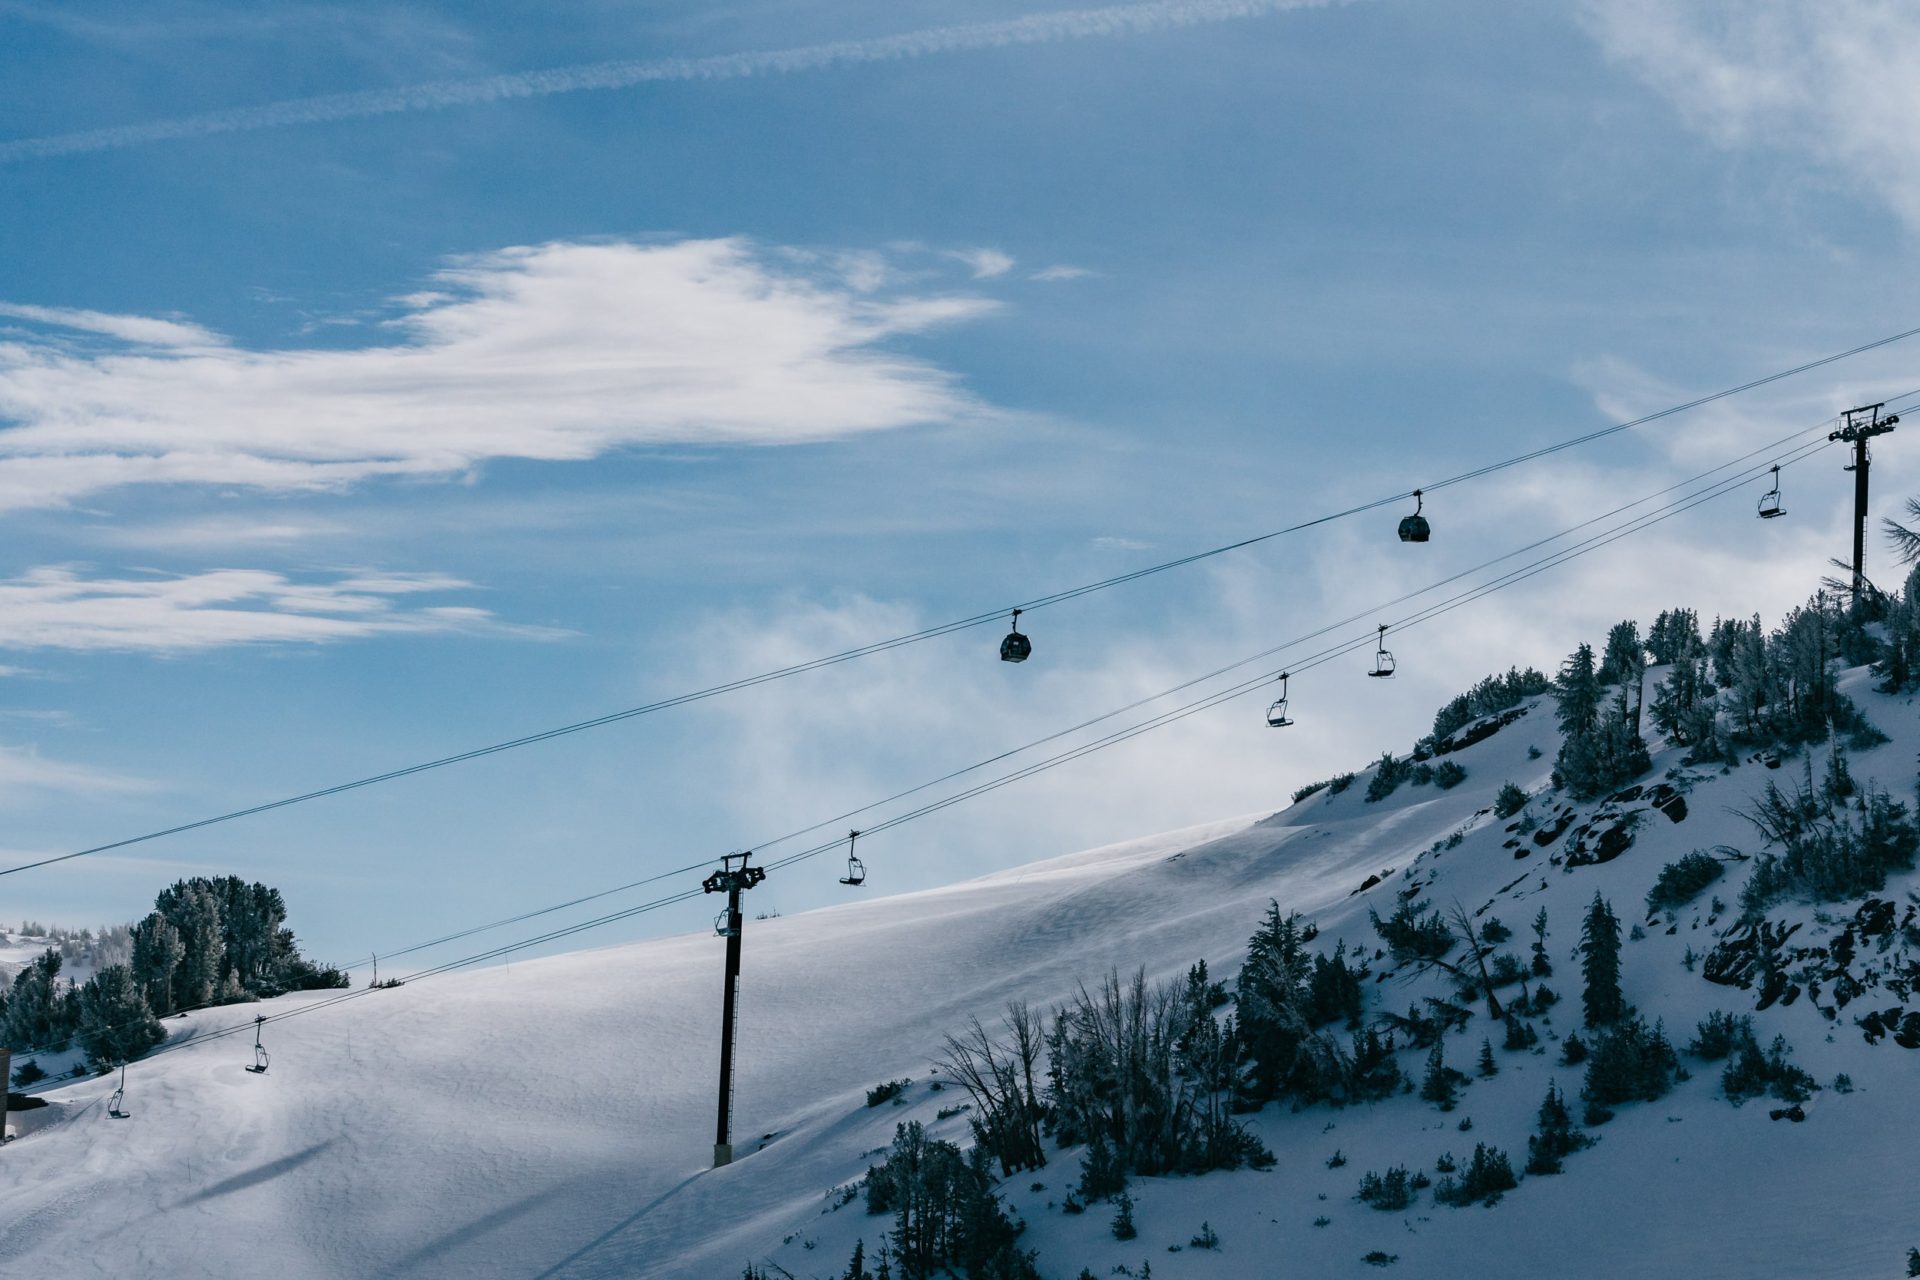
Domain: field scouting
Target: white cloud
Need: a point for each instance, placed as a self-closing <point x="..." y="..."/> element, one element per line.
<point x="56" y="608"/>
<point x="1827" y="80"/>
<point x="1061" y="271"/>
<point x="24" y="771"/>
<point x="143" y="331"/>
<point x="984" y="263"/>
<point x="557" y="352"/>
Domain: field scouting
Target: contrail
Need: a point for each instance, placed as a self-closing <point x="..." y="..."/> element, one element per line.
<point x="1069" y="24"/>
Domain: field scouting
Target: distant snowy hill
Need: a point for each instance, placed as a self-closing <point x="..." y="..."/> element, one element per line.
<point x="554" y="1118"/>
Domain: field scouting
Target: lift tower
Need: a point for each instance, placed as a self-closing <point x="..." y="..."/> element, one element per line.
<point x="1857" y="427"/>
<point x="733" y="878"/>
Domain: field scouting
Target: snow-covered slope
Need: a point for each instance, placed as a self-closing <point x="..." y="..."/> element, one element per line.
<point x="555" y="1118"/>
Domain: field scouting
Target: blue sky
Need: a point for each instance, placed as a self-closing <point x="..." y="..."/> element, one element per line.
<point x="331" y="445"/>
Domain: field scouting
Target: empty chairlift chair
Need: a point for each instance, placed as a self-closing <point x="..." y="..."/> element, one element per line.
<point x="1277" y="713"/>
<point x="1015" y="647"/>
<point x="1770" y="500"/>
<point x="260" y="1056"/>
<point x="119" y="1096"/>
<point x="856" y="869"/>
<point x="1382" y="660"/>
<point x="1414" y="528"/>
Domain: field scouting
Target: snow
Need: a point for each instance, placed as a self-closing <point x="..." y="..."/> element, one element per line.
<point x="555" y="1118"/>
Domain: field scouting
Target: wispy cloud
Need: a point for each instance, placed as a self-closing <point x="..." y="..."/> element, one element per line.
<point x="1060" y="271"/>
<point x="1044" y="28"/>
<point x="57" y="608"/>
<point x="984" y="263"/>
<point x="24" y="770"/>
<point x="556" y="352"/>
<point x="1823" y="80"/>
<point x="145" y="331"/>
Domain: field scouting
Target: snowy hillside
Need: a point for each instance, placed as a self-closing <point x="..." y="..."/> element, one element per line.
<point x="554" y="1118"/>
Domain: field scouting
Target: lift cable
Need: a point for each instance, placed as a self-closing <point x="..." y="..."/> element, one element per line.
<point x="980" y="619"/>
<point x="837" y="819"/>
<point x="1719" y="489"/>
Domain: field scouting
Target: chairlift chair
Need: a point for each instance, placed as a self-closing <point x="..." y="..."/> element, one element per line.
<point x="119" y="1095"/>
<point x="1414" y="528"/>
<point x="1382" y="660"/>
<point x="723" y="927"/>
<point x="1770" y="500"/>
<point x="1015" y="647"/>
<point x="260" y="1055"/>
<point x="1277" y="713"/>
<point x="856" y="869"/>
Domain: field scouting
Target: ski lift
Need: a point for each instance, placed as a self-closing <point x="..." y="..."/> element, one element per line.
<point x="1414" y="528"/>
<point x="1277" y="713"/>
<point x="260" y="1055"/>
<point x="1015" y="647"/>
<point x="856" y="869"/>
<point x="1770" y="500"/>
<point x="119" y="1095"/>
<point x="1382" y="660"/>
<point x="724" y="927"/>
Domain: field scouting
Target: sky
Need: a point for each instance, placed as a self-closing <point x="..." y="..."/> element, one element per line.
<point x="378" y="382"/>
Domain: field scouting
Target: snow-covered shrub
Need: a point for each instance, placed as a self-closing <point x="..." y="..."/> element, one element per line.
<point x="1682" y="880"/>
<point x="884" y="1093"/>
<point x="1449" y="775"/>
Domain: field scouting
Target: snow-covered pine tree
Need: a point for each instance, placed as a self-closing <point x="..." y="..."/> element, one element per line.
<point x="1600" y="965"/>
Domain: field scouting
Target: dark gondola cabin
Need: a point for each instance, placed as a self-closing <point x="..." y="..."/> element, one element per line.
<point x="1015" y="647"/>
<point x="1414" y="528"/>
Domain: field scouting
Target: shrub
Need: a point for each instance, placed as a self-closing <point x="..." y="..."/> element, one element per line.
<point x="1207" y="1239"/>
<point x="1493" y="932"/>
<point x="1311" y="788"/>
<point x="1682" y="881"/>
<point x="1388" y="774"/>
<point x="1751" y="1072"/>
<point x="1389" y="1192"/>
<point x="29" y="1072"/>
<point x="1573" y="1050"/>
<point x="1422" y="774"/>
<point x="1339" y="782"/>
<point x="1449" y="775"/>
<point x="887" y="1092"/>
<point x="1510" y="801"/>
<point x="1556" y="1137"/>
<point x="1486" y="1176"/>
<point x="1839" y="859"/>
<point x="1413" y="936"/>
<point x="1631" y="1062"/>
<point x="1719" y="1034"/>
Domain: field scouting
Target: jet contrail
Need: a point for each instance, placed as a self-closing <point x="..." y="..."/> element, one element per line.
<point x="1069" y="24"/>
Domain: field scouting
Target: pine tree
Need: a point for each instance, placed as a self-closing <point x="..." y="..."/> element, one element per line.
<point x="1600" y="965"/>
<point x="1488" y="1066"/>
<point x="1123" y="1228"/>
<point x="157" y="952"/>
<point x="1556" y="1137"/>
<point x="1624" y="656"/>
<point x="1577" y="693"/>
<point x="857" y="1267"/>
<point x="1542" y="967"/>
<point x="1437" y="1086"/>
<point x="115" y="1023"/>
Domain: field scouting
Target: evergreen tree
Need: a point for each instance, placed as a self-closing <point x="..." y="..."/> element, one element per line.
<point x="1274" y="1006"/>
<point x="1577" y="694"/>
<point x="157" y="952"/>
<point x="1556" y="1137"/>
<point x="1123" y="1228"/>
<point x="116" y="1025"/>
<point x="40" y="1014"/>
<point x="1438" y="1085"/>
<point x="1542" y="967"/>
<point x="857" y="1267"/>
<point x="1600" y="965"/>
<point x="1488" y="1066"/>
<point x="1624" y="656"/>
